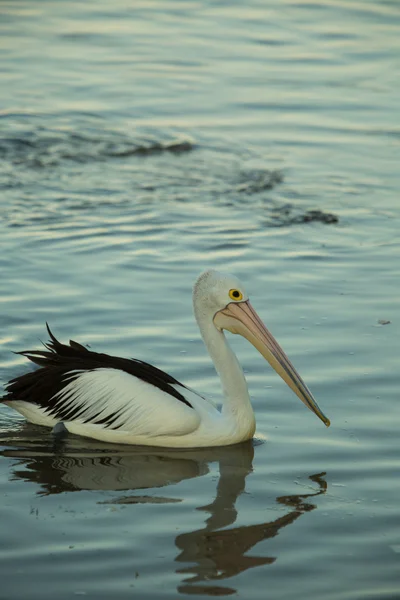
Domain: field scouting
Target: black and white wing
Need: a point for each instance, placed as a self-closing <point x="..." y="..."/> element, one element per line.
<point x="76" y="385"/>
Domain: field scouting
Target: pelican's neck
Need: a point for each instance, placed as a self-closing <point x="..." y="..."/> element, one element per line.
<point x="236" y="403"/>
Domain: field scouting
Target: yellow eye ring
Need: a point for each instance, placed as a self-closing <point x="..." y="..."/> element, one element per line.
<point x="235" y="295"/>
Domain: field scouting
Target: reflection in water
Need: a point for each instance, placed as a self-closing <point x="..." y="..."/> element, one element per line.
<point x="221" y="554"/>
<point x="68" y="463"/>
<point x="60" y="464"/>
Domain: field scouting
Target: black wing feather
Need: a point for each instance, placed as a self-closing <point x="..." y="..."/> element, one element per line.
<point x="54" y="373"/>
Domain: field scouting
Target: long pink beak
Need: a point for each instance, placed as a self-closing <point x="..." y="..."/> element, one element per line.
<point x="241" y="318"/>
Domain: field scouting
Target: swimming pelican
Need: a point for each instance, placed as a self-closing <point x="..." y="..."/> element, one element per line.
<point x="128" y="401"/>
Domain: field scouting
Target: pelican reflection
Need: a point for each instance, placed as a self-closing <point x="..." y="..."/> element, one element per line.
<point x="206" y="556"/>
<point x="217" y="554"/>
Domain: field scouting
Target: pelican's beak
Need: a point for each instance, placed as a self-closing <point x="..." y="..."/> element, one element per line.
<point x="240" y="317"/>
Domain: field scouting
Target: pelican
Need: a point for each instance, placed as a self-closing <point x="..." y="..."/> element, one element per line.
<point x="128" y="401"/>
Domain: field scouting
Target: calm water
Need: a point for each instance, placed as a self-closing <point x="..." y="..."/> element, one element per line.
<point x="142" y="142"/>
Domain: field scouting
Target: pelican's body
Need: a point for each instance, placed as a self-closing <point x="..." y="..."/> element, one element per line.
<point x="127" y="401"/>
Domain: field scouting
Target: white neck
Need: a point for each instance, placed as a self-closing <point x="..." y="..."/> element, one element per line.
<point x="236" y="405"/>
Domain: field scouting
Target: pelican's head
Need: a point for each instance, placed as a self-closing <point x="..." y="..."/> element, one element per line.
<point x="222" y="298"/>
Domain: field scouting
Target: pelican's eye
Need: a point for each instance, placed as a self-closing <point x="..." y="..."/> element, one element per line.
<point x="235" y="295"/>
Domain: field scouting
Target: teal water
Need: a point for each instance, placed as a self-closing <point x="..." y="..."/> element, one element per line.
<point x="141" y="143"/>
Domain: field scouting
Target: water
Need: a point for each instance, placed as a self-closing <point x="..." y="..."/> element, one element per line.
<point x="140" y="143"/>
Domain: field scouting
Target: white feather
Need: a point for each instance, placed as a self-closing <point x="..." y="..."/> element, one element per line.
<point x="141" y="408"/>
<point x="145" y="414"/>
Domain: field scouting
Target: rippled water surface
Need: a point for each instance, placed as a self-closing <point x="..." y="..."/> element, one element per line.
<point x="142" y="142"/>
